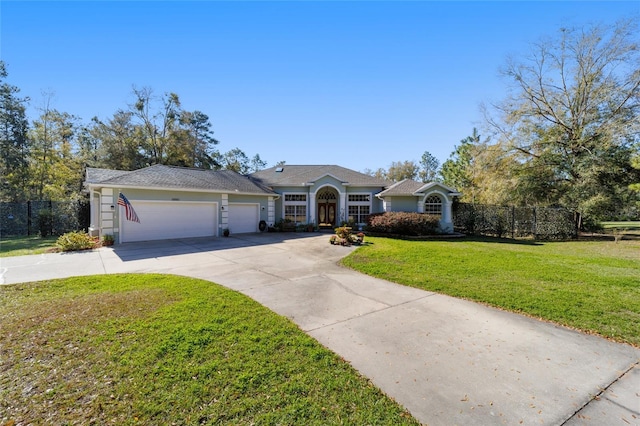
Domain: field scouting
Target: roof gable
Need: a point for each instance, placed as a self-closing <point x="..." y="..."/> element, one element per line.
<point x="432" y="186"/>
<point x="409" y="187"/>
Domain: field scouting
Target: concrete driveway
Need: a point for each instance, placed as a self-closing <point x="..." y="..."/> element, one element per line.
<point x="448" y="361"/>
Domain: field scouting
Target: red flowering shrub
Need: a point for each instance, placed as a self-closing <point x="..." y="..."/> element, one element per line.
<point x="403" y="223"/>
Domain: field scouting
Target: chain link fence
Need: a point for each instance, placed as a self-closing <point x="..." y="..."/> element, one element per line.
<point x="544" y="223"/>
<point x="43" y="217"/>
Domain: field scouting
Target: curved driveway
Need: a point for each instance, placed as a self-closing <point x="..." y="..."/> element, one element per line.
<point x="448" y="361"/>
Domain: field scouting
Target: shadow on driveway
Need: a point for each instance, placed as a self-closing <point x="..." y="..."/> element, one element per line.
<point x="128" y="252"/>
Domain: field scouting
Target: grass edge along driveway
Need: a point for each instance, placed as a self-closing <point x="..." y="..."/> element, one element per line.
<point x="22" y="246"/>
<point x="592" y="286"/>
<point x="162" y="349"/>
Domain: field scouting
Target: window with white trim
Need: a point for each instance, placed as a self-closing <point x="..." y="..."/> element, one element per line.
<point x="359" y="207"/>
<point x="433" y="205"/>
<point x="360" y="198"/>
<point x="295" y="207"/>
<point x="291" y="198"/>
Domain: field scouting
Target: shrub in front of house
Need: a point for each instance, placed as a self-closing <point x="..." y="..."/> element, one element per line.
<point x="403" y="223"/>
<point x="344" y="237"/>
<point x="76" y="240"/>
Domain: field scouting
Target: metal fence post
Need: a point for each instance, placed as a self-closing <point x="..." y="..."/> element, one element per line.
<point x="29" y="218"/>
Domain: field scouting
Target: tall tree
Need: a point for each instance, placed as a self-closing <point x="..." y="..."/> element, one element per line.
<point x="572" y="117"/>
<point x="168" y="134"/>
<point x="200" y="141"/>
<point x="400" y="170"/>
<point x="156" y="125"/>
<point x="635" y="186"/>
<point x="257" y="164"/>
<point x="379" y="173"/>
<point x="118" y="143"/>
<point x="55" y="171"/>
<point x="429" y="167"/>
<point x="237" y="161"/>
<point x="14" y="145"/>
<point x="635" y="163"/>
<point x="457" y="171"/>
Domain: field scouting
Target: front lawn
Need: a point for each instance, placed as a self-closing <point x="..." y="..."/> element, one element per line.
<point x="20" y="246"/>
<point x="590" y="285"/>
<point x="158" y="349"/>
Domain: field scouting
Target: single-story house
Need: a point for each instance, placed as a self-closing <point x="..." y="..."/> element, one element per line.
<point x="164" y="202"/>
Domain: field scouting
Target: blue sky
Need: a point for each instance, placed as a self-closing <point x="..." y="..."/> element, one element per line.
<point x="360" y="84"/>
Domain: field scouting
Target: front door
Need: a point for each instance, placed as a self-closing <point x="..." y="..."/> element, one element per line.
<point x="326" y="214"/>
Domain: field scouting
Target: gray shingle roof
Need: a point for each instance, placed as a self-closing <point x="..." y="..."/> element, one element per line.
<point x="404" y="187"/>
<point x="98" y="175"/>
<point x="410" y="187"/>
<point x="161" y="176"/>
<point x="294" y="175"/>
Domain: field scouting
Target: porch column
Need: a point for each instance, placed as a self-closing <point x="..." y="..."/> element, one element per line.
<point x="420" y="206"/>
<point x="343" y="207"/>
<point x="445" y="221"/>
<point x="311" y="206"/>
<point x="224" y="217"/>
<point x="271" y="211"/>
<point x="107" y="208"/>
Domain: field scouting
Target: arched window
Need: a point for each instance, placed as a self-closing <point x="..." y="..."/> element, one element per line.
<point x="327" y="194"/>
<point x="433" y="205"/>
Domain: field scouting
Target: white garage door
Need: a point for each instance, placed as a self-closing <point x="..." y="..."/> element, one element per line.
<point x="162" y="220"/>
<point x="243" y="218"/>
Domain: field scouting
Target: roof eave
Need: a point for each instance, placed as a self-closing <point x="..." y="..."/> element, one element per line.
<point x="168" y="188"/>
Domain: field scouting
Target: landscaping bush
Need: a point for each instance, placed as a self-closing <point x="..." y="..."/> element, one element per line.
<point x="107" y="240"/>
<point x="344" y="237"/>
<point x="403" y="223"/>
<point x="77" y="240"/>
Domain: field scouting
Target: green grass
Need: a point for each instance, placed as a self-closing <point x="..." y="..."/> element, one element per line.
<point x="589" y="285"/>
<point x="21" y="246"/>
<point x="159" y="349"/>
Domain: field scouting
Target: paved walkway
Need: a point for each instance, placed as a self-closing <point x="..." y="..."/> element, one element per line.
<point x="448" y="361"/>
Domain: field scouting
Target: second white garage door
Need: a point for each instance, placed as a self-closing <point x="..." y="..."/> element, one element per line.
<point x="243" y="218"/>
<point x="162" y="220"/>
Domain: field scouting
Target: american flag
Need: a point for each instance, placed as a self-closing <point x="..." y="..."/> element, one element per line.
<point x="128" y="208"/>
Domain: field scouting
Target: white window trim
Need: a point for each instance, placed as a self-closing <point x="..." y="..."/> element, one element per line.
<point x="442" y="203"/>
<point x="295" y="203"/>
<point x="359" y="203"/>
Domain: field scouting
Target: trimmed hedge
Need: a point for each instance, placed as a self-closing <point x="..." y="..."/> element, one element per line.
<point x="403" y="223"/>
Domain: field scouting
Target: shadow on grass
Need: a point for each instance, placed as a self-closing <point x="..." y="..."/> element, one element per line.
<point x="497" y="240"/>
<point x="461" y="238"/>
<point x="500" y="240"/>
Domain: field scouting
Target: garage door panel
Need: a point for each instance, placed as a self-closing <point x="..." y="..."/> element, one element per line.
<point x="243" y="218"/>
<point x="166" y="220"/>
